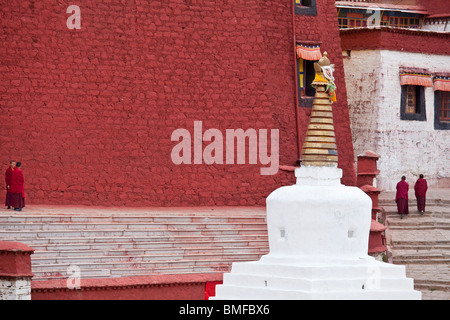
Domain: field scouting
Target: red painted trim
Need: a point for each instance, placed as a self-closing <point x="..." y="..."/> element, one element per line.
<point x="15" y="247"/>
<point x="396" y="39"/>
<point x="156" y="287"/>
<point x="15" y="260"/>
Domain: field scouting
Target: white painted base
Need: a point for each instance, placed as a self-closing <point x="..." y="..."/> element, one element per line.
<point x="15" y="289"/>
<point x="360" y="279"/>
<point x="318" y="238"/>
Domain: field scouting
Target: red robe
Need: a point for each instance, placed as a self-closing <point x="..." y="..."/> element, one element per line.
<point x="8" y="176"/>
<point x="402" y="197"/>
<point x="18" y="182"/>
<point x="421" y="187"/>
<point x="402" y="190"/>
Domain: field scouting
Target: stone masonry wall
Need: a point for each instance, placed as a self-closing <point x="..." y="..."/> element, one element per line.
<point x="15" y="271"/>
<point x="15" y="289"/>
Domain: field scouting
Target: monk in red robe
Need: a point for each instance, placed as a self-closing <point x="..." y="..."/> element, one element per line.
<point x="17" y="188"/>
<point x="8" y="175"/>
<point x="402" y="197"/>
<point x="420" y="189"/>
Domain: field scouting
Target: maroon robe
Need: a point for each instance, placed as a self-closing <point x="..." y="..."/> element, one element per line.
<point x="8" y="176"/>
<point x="420" y="189"/>
<point x="402" y="197"/>
<point x="18" y="189"/>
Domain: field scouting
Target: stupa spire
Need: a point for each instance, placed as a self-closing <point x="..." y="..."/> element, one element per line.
<point x="319" y="148"/>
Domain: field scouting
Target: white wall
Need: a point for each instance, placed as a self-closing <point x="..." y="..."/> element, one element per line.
<point x="15" y="289"/>
<point x="437" y="25"/>
<point x="406" y="147"/>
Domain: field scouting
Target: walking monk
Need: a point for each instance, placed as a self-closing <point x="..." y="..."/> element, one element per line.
<point x="420" y="189"/>
<point x="8" y="176"/>
<point x="17" y="188"/>
<point x="402" y="197"/>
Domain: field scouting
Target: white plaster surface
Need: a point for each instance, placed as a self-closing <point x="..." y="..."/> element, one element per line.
<point x="441" y="25"/>
<point x="15" y="289"/>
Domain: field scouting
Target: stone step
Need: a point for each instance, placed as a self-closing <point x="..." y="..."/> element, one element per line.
<point x="155" y="261"/>
<point x="428" y="284"/>
<point x="8" y="226"/>
<point x="402" y="260"/>
<point x="383" y="201"/>
<point x="428" y="277"/>
<point x="146" y="258"/>
<point x="204" y="244"/>
<point x="110" y="243"/>
<point x="419" y="228"/>
<point x="155" y="265"/>
<point x="413" y="213"/>
<point x="429" y="211"/>
<point x="124" y="272"/>
<point x="416" y="220"/>
<point x="139" y="240"/>
<point x="125" y="219"/>
<point x="422" y="244"/>
<point x="114" y="252"/>
<point x="413" y="244"/>
<point x="26" y="235"/>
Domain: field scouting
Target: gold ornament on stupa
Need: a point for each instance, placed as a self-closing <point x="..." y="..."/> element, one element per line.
<point x="319" y="148"/>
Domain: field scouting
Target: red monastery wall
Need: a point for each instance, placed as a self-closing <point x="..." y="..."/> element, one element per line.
<point x="90" y="112"/>
<point x="436" y="7"/>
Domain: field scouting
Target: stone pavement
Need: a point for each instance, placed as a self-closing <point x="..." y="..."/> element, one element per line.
<point x="421" y="243"/>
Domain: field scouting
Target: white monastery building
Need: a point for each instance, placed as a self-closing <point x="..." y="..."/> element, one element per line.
<point x="397" y="66"/>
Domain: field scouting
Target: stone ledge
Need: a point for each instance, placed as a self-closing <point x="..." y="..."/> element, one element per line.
<point x="16" y="247"/>
<point x="155" y="287"/>
<point x="128" y="282"/>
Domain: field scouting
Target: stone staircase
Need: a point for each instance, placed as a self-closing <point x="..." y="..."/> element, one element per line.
<point x="114" y="242"/>
<point x="422" y="243"/>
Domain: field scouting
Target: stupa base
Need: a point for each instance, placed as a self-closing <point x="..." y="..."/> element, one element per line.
<point x="355" y="279"/>
<point x="318" y="237"/>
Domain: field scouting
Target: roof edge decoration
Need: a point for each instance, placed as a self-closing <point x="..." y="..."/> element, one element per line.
<point x="418" y="9"/>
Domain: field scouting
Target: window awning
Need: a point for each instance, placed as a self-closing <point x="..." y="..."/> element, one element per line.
<point x="417" y="9"/>
<point x="441" y="83"/>
<point x="415" y="78"/>
<point x="309" y="52"/>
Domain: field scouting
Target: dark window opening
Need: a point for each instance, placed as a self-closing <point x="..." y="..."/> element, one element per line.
<point x="442" y="110"/>
<point x="306" y="75"/>
<point x="305" y="7"/>
<point x="305" y="3"/>
<point x="310" y="75"/>
<point x="413" y="103"/>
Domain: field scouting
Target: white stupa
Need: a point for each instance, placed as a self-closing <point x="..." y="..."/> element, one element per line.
<point x="318" y="230"/>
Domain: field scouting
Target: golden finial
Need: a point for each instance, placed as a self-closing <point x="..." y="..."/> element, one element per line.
<point x="320" y="147"/>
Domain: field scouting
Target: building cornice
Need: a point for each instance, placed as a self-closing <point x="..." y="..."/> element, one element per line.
<point x="417" y="32"/>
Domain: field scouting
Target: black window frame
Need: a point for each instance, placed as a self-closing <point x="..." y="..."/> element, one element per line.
<point x="310" y="10"/>
<point x="421" y="114"/>
<point x="438" y="123"/>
